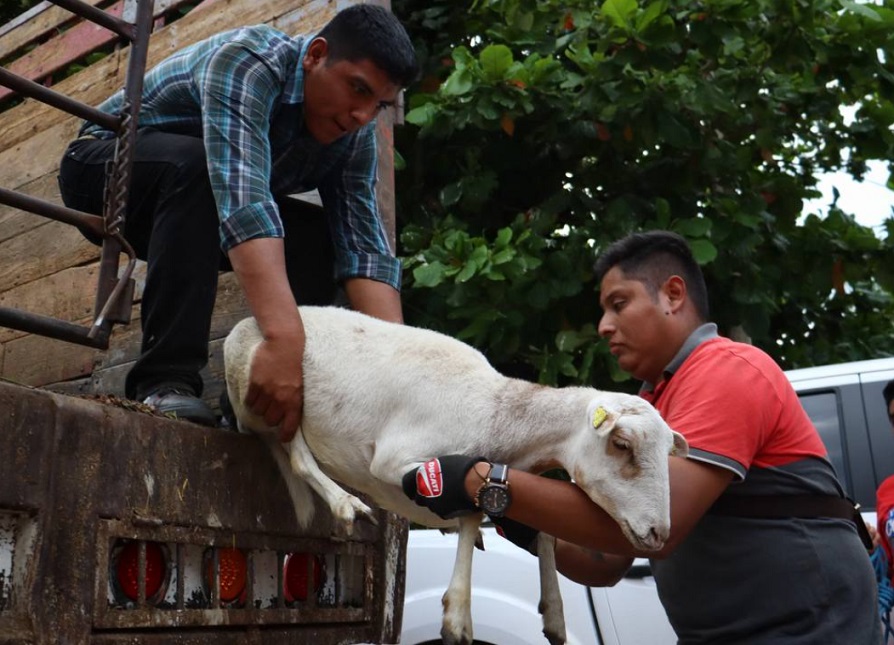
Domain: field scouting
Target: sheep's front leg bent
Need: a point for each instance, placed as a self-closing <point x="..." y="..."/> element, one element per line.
<point x="550" y="596"/>
<point x="457" y="626"/>
<point x="344" y="506"/>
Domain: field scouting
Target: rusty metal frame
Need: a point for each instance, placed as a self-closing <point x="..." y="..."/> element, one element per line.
<point x="114" y="297"/>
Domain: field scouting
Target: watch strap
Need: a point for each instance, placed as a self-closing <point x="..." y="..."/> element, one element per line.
<point x="499" y="473"/>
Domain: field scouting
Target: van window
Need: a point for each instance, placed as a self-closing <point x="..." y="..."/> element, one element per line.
<point x="822" y="408"/>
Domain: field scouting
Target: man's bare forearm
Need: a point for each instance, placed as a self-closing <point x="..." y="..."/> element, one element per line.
<point x="374" y="298"/>
<point x="276" y="386"/>
<point x="260" y="266"/>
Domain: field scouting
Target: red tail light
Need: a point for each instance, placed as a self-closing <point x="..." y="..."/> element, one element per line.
<point x="233" y="574"/>
<point x="295" y="578"/>
<point x="126" y="564"/>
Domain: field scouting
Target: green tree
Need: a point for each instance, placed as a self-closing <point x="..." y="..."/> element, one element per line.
<point x="542" y="130"/>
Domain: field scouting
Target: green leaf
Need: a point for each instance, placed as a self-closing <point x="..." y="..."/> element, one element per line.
<point x="569" y="341"/>
<point x="422" y="115"/>
<point x="495" y="61"/>
<point x="451" y="194"/>
<point x="672" y="131"/>
<point x="504" y="256"/>
<point x="467" y="272"/>
<point x="619" y="12"/>
<point x="429" y="275"/>
<point x="458" y="83"/>
<point x="504" y="236"/>
<point x="694" y="227"/>
<point x="654" y="11"/>
<point x="861" y="9"/>
<point x="703" y="251"/>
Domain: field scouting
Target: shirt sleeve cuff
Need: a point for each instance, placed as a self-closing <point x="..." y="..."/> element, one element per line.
<point x="382" y="268"/>
<point x="260" y="219"/>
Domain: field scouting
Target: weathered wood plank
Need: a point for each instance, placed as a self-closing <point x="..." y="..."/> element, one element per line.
<point x="35" y="360"/>
<point x="53" y="55"/>
<point x="70" y="291"/>
<point x="34" y="24"/>
<point x="83" y="38"/>
<point x="36" y="156"/>
<point x="69" y="295"/>
<point x="16" y="222"/>
<point x="43" y="251"/>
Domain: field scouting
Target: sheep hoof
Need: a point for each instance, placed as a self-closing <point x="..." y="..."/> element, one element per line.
<point x="452" y="636"/>
<point x="555" y="639"/>
<point x="348" y="510"/>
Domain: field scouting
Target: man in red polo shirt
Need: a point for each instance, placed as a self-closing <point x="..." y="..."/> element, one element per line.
<point x="731" y="571"/>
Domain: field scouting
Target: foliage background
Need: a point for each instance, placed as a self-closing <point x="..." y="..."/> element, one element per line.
<point x="543" y="130"/>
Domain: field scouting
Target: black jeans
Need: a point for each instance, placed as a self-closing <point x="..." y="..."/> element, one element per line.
<point x="172" y="223"/>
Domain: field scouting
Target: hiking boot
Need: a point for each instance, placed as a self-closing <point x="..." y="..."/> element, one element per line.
<point x="180" y="402"/>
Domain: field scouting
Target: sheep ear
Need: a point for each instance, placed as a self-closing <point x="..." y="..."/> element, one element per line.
<point x="602" y="419"/>
<point x="681" y="446"/>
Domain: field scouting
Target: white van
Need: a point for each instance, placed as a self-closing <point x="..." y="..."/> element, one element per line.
<point x="846" y="405"/>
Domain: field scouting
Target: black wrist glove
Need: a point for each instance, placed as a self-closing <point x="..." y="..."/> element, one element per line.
<point x="439" y="485"/>
<point x="519" y="534"/>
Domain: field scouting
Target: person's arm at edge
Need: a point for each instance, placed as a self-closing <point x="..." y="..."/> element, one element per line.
<point x="276" y="392"/>
<point x="374" y="298"/>
<point x="585" y="532"/>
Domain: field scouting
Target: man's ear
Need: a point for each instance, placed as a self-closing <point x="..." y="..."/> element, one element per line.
<point x="316" y="53"/>
<point x="674" y="290"/>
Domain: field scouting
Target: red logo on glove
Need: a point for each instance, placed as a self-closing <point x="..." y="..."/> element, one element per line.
<point x="428" y="479"/>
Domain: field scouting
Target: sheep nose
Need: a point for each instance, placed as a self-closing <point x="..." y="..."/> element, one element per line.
<point x="655" y="539"/>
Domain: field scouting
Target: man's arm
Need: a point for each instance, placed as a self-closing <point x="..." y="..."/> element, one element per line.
<point x="276" y="389"/>
<point x="374" y="298"/>
<point x="589" y="567"/>
<point x="564" y="510"/>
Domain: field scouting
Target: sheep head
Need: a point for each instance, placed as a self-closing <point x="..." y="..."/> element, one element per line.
<point x="619" y="458"/>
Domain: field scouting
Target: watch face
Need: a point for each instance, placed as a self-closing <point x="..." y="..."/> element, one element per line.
<point x="495" y="499"/>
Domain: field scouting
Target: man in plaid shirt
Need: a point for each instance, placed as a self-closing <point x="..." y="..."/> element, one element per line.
<point x="229" y="126"/>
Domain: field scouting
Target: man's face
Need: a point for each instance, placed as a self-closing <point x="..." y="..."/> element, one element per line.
<point x="635" y="326"/>
<point x="341" y="97"/>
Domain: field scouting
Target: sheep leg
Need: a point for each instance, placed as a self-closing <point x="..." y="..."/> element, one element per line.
<point x="550" y="596"/>
<point x="456" y="628"/>
<point x="344" y="506"/>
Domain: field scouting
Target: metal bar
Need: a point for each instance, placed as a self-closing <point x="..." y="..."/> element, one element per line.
<point x="118" y="183"/>
<point x="100" y="17"/>
<point x="141" y="573"/>
<point x="50" y="97"/>
<point x="51" y="328"/>
<point x="51" y="210"/>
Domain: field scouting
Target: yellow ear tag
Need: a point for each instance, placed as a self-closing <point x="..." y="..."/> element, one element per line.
<point x="599" y="415"/>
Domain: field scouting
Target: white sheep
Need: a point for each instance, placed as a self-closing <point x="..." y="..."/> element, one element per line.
<point x="381" y="399"/>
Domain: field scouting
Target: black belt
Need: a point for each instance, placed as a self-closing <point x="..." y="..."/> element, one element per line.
<point x="792" y="506"/>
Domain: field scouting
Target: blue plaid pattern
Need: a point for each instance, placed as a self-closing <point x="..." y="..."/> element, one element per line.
<point x="242" y="91"/>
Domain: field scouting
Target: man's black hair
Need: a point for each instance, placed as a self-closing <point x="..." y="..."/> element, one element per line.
<point x="888" y="393"/>
<point x="367" y="31"/>
<point x="652" y="258"/>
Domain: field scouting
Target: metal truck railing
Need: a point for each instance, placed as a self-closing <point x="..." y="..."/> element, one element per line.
<point x="114" y="295"/>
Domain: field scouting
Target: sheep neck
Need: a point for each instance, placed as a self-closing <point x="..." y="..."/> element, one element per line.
<point x="533" y="422"/>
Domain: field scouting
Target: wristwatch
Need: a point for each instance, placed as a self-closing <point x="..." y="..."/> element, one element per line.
<point x="494" y="497"/>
